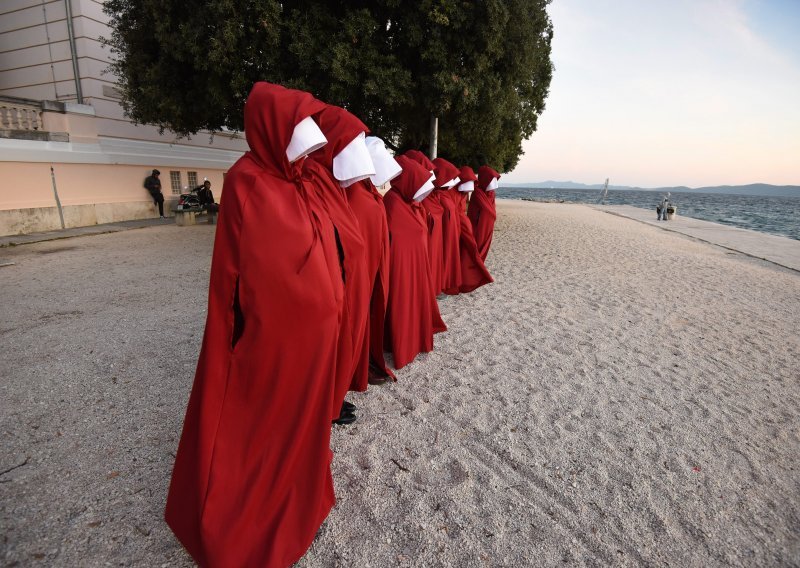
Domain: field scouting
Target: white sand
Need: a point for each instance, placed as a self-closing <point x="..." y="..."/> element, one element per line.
<point x="563" y="415"/>
<point x="621" y="395"/>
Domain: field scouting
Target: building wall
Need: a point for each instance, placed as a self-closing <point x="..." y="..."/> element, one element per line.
<point x="36" y="63"/>
<point x="89" y="194"/>
<point x="100" y="169"/>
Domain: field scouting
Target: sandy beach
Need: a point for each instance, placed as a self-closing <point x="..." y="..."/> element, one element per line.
<point x="621" y="395"/>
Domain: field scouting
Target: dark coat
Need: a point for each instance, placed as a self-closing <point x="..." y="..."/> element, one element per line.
<point x="152" y="184"/>
<point x="204" y="195"/>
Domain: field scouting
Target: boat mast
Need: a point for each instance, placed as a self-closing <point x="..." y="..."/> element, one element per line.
<point x="604" y="193"/>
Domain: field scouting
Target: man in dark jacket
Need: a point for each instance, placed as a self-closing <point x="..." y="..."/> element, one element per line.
<point x="206" y="199"/>
<point x="153" y="185"/>
<point x="205" y="196"/>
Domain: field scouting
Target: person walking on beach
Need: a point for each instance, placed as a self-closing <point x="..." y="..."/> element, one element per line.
<point x="153" y="185"/>
<point x="664" y="205"/>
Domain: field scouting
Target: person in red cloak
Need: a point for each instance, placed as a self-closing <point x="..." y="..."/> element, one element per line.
<point x="412" y="315"/>
<point x="446" y="178"/>
<point x="333" y="170"/>
<point x="367" y="205"/>
<point x="435" y="214"/>
<point x="482" y="212"/>
<point x="473" y="271"/>
<point x="251" y="483"/>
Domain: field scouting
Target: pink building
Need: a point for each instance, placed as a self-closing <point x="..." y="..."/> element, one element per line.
<point x="68" y="156"/>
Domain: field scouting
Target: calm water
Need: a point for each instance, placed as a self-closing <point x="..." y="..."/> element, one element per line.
<point x="776" y="215"/>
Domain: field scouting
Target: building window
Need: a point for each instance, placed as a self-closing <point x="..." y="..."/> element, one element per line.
<point x="192" y="179"/>
<point x="175" y="180"/>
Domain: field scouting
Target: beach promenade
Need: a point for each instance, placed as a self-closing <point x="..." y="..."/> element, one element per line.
<point x="621" y="395"/>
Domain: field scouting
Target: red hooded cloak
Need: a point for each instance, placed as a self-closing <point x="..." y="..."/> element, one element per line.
<point x="482" y="211"/>
<point x="367" y="205"/>
<point x="473" y="271"/>
<point x="451" y="226"/>
<point x="341" y="128"/>
<point x="251" y="483"/>
<point x="412" y="314"/>
<point x="435" y="213"/>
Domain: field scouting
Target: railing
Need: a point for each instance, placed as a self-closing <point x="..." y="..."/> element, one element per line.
<point x="20" y="114"/>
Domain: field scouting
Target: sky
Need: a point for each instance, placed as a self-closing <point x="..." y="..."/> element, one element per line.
<point x="656" y="93"/>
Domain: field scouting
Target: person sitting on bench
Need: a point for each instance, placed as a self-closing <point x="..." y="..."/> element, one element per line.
<point x="206" y="198"/>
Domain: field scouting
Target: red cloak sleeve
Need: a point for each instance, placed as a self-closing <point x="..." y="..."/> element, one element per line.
<point x="451" y="239"/>
<point x="436" y="211"/>
<point x="367" y="205"/>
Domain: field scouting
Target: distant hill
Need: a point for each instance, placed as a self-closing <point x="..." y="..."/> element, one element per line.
<point x="751" y="189"/>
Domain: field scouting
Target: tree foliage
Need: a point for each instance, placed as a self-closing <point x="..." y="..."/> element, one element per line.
<point x="483" y="68"/>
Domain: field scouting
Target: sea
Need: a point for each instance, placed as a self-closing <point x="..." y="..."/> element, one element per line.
<point x="774" y="215"/>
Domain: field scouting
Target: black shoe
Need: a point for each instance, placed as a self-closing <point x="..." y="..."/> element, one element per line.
<point x="345" y="418"/>
<point x="348" y="407"/>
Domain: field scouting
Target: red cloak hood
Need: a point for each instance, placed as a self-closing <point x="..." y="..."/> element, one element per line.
<point x="421" y="159"/>
<point x="412" y="178"/>
<point x="340" y="128"/>
<point x="444" y="171"/>
<point x="485" y="176"/>
<point x="270" y="115"/>
<point x="467" y="174"/>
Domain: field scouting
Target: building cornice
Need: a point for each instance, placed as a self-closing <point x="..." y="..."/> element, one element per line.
<point x="116" y="151"/>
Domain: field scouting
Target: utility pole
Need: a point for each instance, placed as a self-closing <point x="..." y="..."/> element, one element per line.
<point x="434" y="137"/>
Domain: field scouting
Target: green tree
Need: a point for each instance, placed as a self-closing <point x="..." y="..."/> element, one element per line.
<point x="482" y="68"/>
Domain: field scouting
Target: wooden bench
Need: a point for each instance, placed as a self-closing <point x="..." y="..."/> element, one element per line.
<point x="186" y="217"/>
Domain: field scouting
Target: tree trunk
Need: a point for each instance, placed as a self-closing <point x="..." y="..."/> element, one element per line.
<point x="434" y="137"/>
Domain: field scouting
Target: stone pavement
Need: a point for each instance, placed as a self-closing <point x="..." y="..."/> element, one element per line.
<point x="13" y="240"/>
<point x="782" y="251"/>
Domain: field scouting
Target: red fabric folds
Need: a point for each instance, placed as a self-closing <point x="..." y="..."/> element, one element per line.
<point x="482" y="211"/>
<point x="251" y="483"/>
<point x="473" y="271"/>
<point x="451" y="226"/>
<point x="435" y="212"/>
<point x="340" y="128"/>
<point x="412" y="313"/>
<point x="367" y="205"/>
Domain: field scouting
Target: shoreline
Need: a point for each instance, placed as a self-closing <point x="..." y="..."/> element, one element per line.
<point x="710" y="208"/>
<point x="780" y="250"/>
